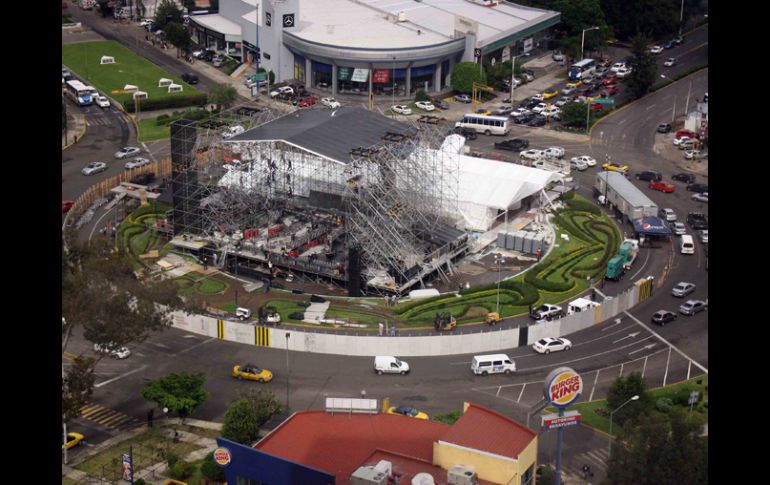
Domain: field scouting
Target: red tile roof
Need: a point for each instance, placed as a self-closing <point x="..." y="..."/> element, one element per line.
<point x="339" y="443"/>
<point x="483" y="429"/>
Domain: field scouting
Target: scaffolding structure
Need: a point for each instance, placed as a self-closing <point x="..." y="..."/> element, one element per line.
<point x="271" y="207"/>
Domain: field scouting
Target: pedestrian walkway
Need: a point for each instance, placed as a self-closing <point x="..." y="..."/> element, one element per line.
<point x="107" y="417"/>
<point x="76" y="127"/>
<point x="596" y="459"/>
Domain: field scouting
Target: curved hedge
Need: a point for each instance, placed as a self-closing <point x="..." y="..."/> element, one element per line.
<point x="177" y="101"/>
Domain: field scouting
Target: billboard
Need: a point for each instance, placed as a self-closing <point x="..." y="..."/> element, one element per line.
<point x="381" y="76"/>
<point x="554" y="421"/>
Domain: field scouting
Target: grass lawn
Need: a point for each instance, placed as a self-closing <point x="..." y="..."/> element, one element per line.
<point x="151" y="131"/>
<point x="129" y="68"/>
<point x="198" y="283"/>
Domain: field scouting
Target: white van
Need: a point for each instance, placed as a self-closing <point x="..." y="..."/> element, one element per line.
<point x="686" y="244"/>
<point x="492" y="364"/>
<point x="387" y="364"/>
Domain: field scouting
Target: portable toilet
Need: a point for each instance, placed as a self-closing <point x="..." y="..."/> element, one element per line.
<point x="164" y="82"/>
<point x="140" y="95"/>
<point x="174" y="88"/>
<point x="107" y="60"/>
<point x="130" y="88"/>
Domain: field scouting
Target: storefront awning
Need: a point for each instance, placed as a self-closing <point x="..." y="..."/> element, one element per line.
<point x="651" y="226"/>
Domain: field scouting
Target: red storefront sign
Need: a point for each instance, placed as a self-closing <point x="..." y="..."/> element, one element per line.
<point x="381" y="76"/>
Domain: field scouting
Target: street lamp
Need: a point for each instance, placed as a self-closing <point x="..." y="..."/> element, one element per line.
<point x="633" y="398"/>
<point x="673" y="113"/>
<point x="681" y="16"/>
<point x="499" y="259"/>
<point x="582" y="41"/>
<point x="513" y="76"/>
<point x="288" y="372"/>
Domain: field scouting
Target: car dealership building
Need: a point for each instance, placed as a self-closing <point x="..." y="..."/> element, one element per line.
<point x="372" y="46"/>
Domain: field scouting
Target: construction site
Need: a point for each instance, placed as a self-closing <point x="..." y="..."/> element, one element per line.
<point x="347" y="196"/>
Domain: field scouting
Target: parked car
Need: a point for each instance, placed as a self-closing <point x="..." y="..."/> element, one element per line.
<point x="73" y="439"/>
<point x="649" y="176"/>
<point x="524" y="118"/>
<point x="704" y="197"/>
<point x="663" y="187"/>
<point x="408" y="411"/>
<point x="682" y="289"/>
<point x="679" y="40"/>
<point x="557" y="56"/>
<point x="694" y="155"/>
<point x="700" y="188"/>
<point x="514" y="144"/>
<point x="547" y="311"/>
<point x="307" y="101"/>
<point x="703" y="234"/>
<point x="137" y="162"/>
<point x="547" y="345"/>
<point x="562" y="101"/>
<point x="679" y="140"/>
<point x="468" y="133"/>
<point x="670" y="62"/>
<point x="537" y="120"/>
<point x="577" y="164"/>
<point x="667" y="214"/>
<point x="567" y="90"/>
<point x="614" y="167"/>
<point x="623" y="72"/>
<point x="531" y="154"/>
<point x="94" y="167"/>
<point x="678" y="228"/>
<point x="554" y="152"/>
<point x="656" y="49"/>
<point x="539" y="108"/>
<point x="401" y="109"/>
<point x="664" y="128"/>
<point x="190" y="78"/>
<point x="102" y="101"/>
<point x="662" y="317"/>
<point x="617" y="66"/>
<point x="519" y="112"/>
<point x="440" y="103"/>
<point x="684" y="177"/>
<point x="330" y="102"/>
<point x="689" y="144"/>
<point x="610" y="90"/>
<point x="551" y="112"/>
<point x="697" y="220"/>
<point x="590" y="161"/>
<point x="112" y="350"/>
<point x="252" y="373"/>
<point x="691" y="307"/>
<point x="504" y="110"/>
<point x="537" y="97"/>
<point x="126" y="152"/>
<point x="550" y="93"/>
<point x="462" y="98"/>
<point x="282" y="91"/>
<point x="685" y="134"/>
<point x="425" y="105"/>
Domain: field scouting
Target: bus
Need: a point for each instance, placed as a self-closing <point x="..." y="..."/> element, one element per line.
<point x="489" y="125"/>
<point x="80" y="92"/>
<point x="583" y="69"/>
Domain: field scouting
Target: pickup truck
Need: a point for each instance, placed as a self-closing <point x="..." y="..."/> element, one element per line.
<point x="546" y="311"/>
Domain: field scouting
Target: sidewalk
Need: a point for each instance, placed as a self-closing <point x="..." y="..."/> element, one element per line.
<point x="76" y="128"/>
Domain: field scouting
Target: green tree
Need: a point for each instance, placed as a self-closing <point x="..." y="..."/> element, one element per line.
<point x="464" y="74"/>
<point x="421" y="95"/>
<point x="180" y="393"/>
<point x="211" y="470"/>
<point x="577" y="15"/>
<point x="241" y="423"/>
<point x="167" y="11"/>
<point x="660" y="448"/>
<point x="574" y="114"/>
<point x="222" y="95"/>
<point x="621" y="391"/>
<point x="644" y="68"/>
<point x="264" y="403"/>
<point x="178" y="35"/>
<point x="77" y="386"/>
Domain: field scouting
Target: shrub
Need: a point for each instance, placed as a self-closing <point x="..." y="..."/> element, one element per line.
<point x="664" y="404"/>
<point x="304" y="304"/>
<point x="421" y="95"/>
<point x="297" y="316"/>
<point x="211" y="470"/>
<point x="317" y="299"/>
<point x="171" y="458"/>
<point x="177" y="101"/>
<point x="181" y="470"/>
<point x="584" y="206"/>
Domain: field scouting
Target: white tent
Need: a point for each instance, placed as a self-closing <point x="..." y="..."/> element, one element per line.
<point x="164" y="81"/>
<point x="107" y="60"/>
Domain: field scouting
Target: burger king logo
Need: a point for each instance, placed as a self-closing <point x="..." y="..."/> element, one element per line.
<point x="563" y="387"/>
<point x="222" y="456"/>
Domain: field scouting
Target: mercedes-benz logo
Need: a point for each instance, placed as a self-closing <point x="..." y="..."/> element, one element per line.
<point x="288" y="20"/>
<point x="268" y="18"/>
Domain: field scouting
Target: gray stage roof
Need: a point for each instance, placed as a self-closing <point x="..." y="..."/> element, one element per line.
<point x="328" y="132"/>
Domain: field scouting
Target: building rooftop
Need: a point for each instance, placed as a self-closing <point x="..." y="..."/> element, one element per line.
<point x="217" y="23"/>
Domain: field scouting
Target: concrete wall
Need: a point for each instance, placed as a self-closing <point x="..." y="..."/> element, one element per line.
<point x="486" y="341"/>
<point x="493" y="468"/>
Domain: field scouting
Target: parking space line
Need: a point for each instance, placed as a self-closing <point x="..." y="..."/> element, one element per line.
<point x="704" y="369"/>
<point x="668" y="361"/>
<point x="593" y="388"/>
<point x="120" y="377"/>
<point x="521" y="393"/>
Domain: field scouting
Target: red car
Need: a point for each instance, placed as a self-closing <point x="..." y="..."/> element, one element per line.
<point x="685" y="133"/>
<point x="308" y="101"/>
<point x="596" y="107"/>
<point x="610" y="80"/>
<point x="662" y="186"/>
<point x="66" y="205"/>
<point x="612" y="89"/>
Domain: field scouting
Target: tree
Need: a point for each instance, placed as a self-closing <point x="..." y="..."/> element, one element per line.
<point x="77" y="386"/>
<point x="464" y="74"/>
<point x="179" y="37"/>
<point x="211" y="470"/>
<point x="660" y="448"/>
<point x="222" y="95"/>
<point x="644" y="68"/>
<point x="167" y="11"/>
<point x="421" y="95"/>
<point x="180" y="393"/>
<point x="577" y="15"/>
<point x="264" y="403"/>
<point x="621" y="391"/>
<point x="241" y="423"/>
<point x="574" y="114"/>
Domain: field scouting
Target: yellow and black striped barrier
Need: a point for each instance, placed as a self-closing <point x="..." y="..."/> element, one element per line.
<point x="645" y="288"/>
<point x="261" y="336"/>
<point x="221" y="329"/>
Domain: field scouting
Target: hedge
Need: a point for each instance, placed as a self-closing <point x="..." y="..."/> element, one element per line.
<point x="180" y="101"/>
<point x="582" y="206"/>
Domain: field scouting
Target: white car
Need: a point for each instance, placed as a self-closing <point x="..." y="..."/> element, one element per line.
<point x="111" y="350"/>
<point x="232" y="131"/>
<point x="137" y="162"/>
<point x="694" y="154"/>
<point x="590" y="161"/>
<point x="519" y="112"/>
<point x="667" y="214"/>
<point x="554" y="152"/>
<point x="551" y="111"/>
<point x="562" y="101"/>
<point x="623" y="71"/>
<point x="704" y="236"/>
<point x="670" y="62"/>
<point x="103" y="102"/>
<point x="281" y="90"/>
<point x="679" y="228"/>
<point x="568" y="90"/>
<point x="617" y="66"/>
<point x="539" y="108"/>
<point x="656" y="49"/>
<point x="94" y="167"/>
<point x="531" y="154"/>
<point x="126" y="152"/>
<point x="537" y="97"/>
<point x="704" y="197"/>
<point x="547" y="345"/>
<point x="425" y="105"/>
<point x="197" y="53"/>
<point x="577" y="164"/>
<point x="680" y="140"/>
<point x="330" y="102"/>
<point x="401" y="109"/>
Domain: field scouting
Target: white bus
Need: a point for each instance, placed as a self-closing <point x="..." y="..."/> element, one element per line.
<point x="80" y="92"/>
<point x="489" y="125"/>
<point x="582" y="69"/>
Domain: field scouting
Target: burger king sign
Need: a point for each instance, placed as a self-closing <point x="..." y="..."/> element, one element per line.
<point x="222" y="456"/>
<point x="563" y="387"/>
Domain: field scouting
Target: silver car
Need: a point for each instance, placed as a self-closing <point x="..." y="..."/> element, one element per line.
<point x="94" y="167"/>
<point x="126" y="152"/>
<point x="682" y="289"/>
<point x="704" y="236"/>
<point x="679" y="228"/>
<point x="691" y="307"/>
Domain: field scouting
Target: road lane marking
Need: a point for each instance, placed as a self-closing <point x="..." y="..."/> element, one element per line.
<point x="630" y="335"/>
<point x="197" y="345"/>
<point x="649" y="108"/>
<point x="521" y="393"/>
<point x="705" y="370"/>
<point x="120" y="377"/>
<point x="668" y="361"/>
<point x="633" y="276"/>
<point x="646" y="347"/>
<point x="593" y="388"/>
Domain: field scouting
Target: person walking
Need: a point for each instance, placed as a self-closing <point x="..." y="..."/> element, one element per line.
<point x="382" y="329"/>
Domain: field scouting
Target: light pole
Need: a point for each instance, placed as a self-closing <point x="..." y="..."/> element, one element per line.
<point x="288" y="372"/>
<point x="673" y="113"/>
<point x="392" y="113"/>
<point x="583" y="39"/>
<point x="681" y="16"/>
<point x="499" y="259"/>
<point x="633" y="398"/>
<point x="513" y="76"/>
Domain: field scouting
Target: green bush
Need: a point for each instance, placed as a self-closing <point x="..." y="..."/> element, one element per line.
<point x="304" y="304"/>
<point x="177" y="101"/>
<point x="297" y="316"/>
<point x="171" y="458"/>
<point x="583" y="206"/>
<point x="181" y="470"/>
<point x="211" y="470"/>
<point x="317" y="299"/>
<point x="568" y="195"/>
<point x="664" y="404"/>
<point x="421" y="95"/>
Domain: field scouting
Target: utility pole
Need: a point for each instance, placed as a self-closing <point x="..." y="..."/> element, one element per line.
<point x="513" y="76"/>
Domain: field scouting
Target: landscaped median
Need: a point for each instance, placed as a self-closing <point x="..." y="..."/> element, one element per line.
<point x="84" y="58"/>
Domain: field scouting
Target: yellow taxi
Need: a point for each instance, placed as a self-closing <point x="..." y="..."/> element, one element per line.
<point x="252" y="373"/>
<point x="575" y="84"/>
<point x="73" y="439"/>
<point x="614" y="167"/>
<point x="550" y="94"/>
<point x="408" y="411"/>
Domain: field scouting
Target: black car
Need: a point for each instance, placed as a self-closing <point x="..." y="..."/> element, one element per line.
<point x="440" y="103"/>
<point x="697" y="220"/>
<point x="143" y="178"/>
<point x="529" y="103"/>
<point x="687" y="178"/>
<point x="538" y="120"/>
<point x="649" y="176"/>
<point x="190" y="78"/>
<point x="664" y="127"/>
<point x="468" y="133"/>
<point x="524" y="119"/>
<point x="208" y="55"/>
<point x="700" y="188"/>
<point x="514" y="144"/>
<point x="662" y="317"/>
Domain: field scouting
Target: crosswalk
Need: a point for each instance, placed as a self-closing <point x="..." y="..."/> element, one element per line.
<point x="98" y="121"/>
<point x="596" y="459"/>
<point x="107" y="417"/>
